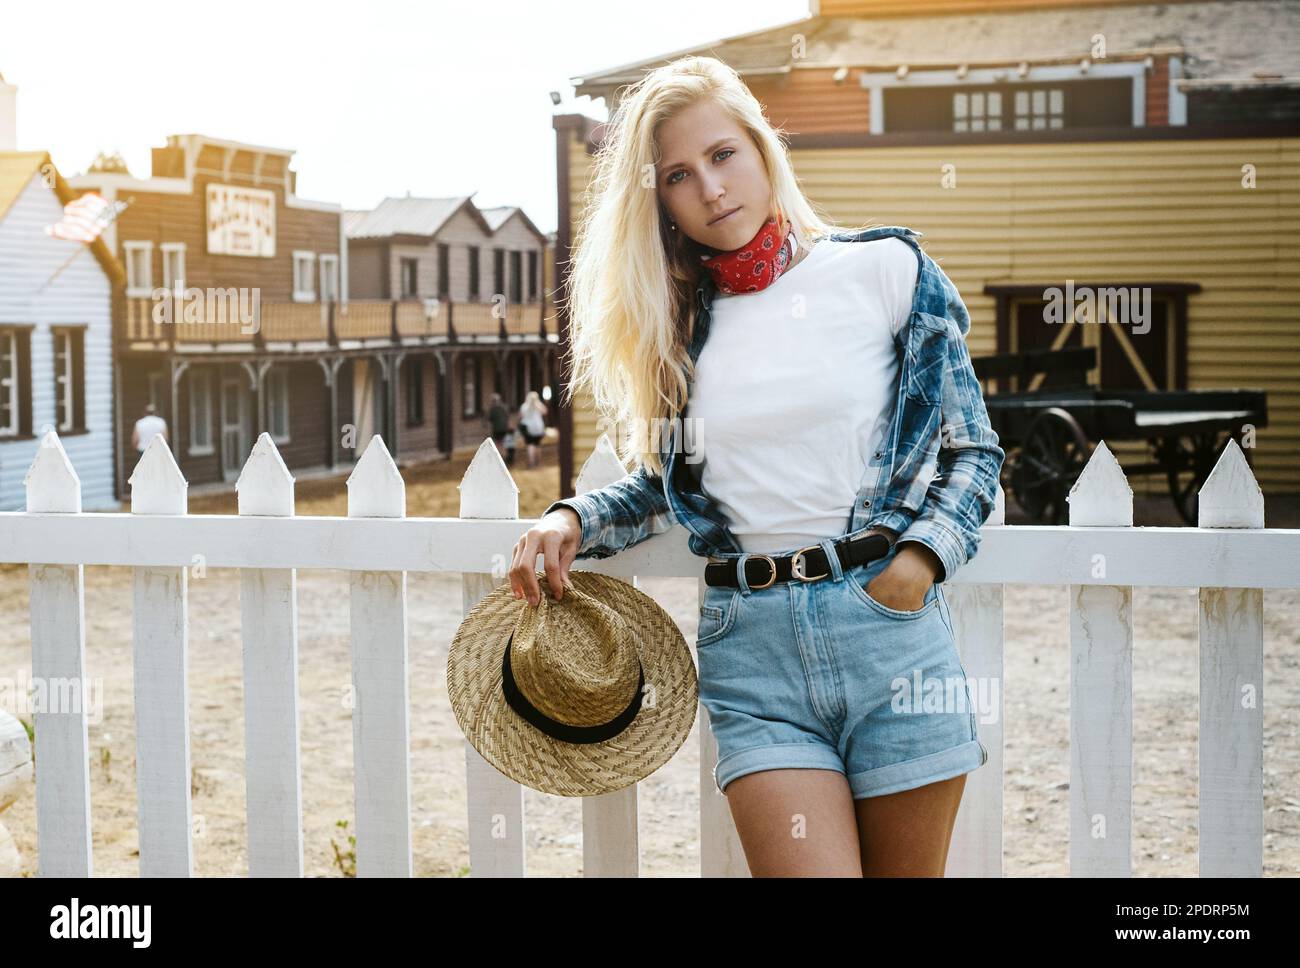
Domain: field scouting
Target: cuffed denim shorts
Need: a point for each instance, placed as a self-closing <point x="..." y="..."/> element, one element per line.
<point x="819" y="675"/>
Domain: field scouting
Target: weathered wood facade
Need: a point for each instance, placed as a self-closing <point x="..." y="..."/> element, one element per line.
<point x="482" y="272"/>
<point x="216" y="377"/>
<point x="236" y="317"/>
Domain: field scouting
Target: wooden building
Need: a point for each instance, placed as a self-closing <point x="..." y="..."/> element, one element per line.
<point x="225" y="322"/>
<point x="1039" y="143"/>
<point x="55" y="335"/>
<point x="478" y="276"/>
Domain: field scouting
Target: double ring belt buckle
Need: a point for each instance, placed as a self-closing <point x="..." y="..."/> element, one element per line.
<point x="796" y="561"/>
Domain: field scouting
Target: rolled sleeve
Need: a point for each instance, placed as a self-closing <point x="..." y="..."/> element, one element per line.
<point x="943" y="541"/>
<point x="588" y="512"/>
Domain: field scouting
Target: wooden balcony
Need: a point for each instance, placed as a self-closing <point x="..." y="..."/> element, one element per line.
<point x="280" y="325"/>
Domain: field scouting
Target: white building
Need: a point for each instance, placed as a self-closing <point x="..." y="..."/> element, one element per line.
<point x="55" y="335"/>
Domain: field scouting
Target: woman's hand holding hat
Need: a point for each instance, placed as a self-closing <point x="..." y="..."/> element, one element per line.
<point x="556" y="537"/>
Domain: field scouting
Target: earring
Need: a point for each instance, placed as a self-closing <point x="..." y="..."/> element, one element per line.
<point x="672" y="226"/>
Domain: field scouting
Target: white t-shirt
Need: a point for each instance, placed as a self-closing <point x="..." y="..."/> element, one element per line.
<point x="794" y="391"/>
<point x="148" y="426"/>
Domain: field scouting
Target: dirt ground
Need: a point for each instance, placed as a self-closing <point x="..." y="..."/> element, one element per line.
<point x="1036" y="795"/>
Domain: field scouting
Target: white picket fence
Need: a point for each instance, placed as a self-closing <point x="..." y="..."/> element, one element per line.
<point x="1100" y="555"/>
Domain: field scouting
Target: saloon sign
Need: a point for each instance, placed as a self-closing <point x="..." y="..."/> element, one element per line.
<point x="241" y="221"/>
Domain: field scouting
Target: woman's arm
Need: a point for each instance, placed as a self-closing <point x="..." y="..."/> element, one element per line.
<point x="963" y="492"/>
<point x="620" y="515"/>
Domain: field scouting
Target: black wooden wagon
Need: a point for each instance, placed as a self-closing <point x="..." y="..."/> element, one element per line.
<point x="1049" y="434"/>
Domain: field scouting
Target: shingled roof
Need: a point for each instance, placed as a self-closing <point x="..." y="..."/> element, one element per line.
<point x="1209" y="35"/>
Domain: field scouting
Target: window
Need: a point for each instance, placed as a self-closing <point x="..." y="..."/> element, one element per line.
<point x="516" y="277"/>
<point x="69" y="379"/>
<point x="13" y="350"/>
<point x="1040" y="109"/>
<point x="977" y="111"/>
<point x="413" y="380"/>
<point x="470" y="376"/>
<point x="532" y="275"/>
<point x="200" y="413"/>
<point x="277" y="404"/>
<point x="410" y="282"/>
<point x="139" y="269"/>
<point x="155" y="391"/>
<point x="173" y="255"/>
<point x="444" y="270"/>
<point x="474" y="292"/>
<point x="329" y="278"/>
<point x="304" y="277"/>
<point x="498" y="273"/>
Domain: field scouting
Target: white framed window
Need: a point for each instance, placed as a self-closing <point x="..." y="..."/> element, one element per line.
<point x="173" y="255"/>
<point x="139" y="269"/>
<point x="200" y="413"/>
<point x="304" y="277"/>
<point x="329" y="277"/>
<point x="977" y="111"/>
<point x="65" y="385"/>
<point x="1039" y="109"/>
<point x="277" y="404"/>
<point x="8" y="382"/>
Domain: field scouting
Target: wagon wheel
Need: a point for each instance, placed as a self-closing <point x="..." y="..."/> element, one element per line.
<point x="1049" y="461"/>
<point x="1188" y="462"/>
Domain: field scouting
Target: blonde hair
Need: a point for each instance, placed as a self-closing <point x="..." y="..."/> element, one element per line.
<point x="630" y="293"/>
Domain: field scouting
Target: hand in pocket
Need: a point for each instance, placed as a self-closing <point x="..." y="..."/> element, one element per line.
<point x="900" y="586"/>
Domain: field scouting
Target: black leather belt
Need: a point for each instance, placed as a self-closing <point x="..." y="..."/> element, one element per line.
<point x="807" y="564"/>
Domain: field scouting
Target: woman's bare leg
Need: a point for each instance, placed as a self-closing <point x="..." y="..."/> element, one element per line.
<point x="907" y="834"/>
<point x="796" y="823"/>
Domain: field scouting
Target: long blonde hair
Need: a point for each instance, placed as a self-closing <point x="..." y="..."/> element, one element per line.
<point x="631" y="290"/>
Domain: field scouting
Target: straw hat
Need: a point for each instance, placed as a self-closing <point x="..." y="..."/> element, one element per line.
<point x="601" y="689"/>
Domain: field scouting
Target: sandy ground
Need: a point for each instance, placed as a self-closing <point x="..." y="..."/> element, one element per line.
<point x="1036" y="795"/>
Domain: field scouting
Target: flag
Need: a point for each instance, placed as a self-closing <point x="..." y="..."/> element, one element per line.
<point x="84" y="218"/>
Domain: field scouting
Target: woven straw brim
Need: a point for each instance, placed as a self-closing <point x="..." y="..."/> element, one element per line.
<point x="527" y="755"/>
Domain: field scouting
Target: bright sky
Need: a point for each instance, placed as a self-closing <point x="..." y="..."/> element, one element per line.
<point x="378" y="97"/>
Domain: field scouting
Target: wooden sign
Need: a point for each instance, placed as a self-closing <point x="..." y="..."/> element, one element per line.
<point x="241" y="221"/>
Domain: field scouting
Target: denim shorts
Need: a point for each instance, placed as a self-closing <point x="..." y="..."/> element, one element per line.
<point x="819" y="675"/>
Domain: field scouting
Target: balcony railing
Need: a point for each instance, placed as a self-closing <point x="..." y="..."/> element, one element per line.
<point x="224" y="318"/>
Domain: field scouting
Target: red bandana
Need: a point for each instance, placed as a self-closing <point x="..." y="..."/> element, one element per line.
<point x="756" y="264"/>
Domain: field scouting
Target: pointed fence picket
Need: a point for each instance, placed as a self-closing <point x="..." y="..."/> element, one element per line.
<point x="1231" y="557"/>
<point x="161" y="664"/>
<point x="57" y="604"/>
<point x="268" y="607"/>
<point x="381" y="714"/>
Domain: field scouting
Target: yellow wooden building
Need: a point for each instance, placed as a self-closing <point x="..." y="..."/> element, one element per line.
<point x="1040" y="144"/>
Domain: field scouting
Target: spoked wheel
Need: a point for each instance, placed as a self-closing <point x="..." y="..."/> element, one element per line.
<point x="1050" y="459"/>
<point x="1188" y="462"/>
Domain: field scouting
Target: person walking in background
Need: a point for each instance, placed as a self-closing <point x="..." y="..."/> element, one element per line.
<point x="499" y="420"/>
<point x="146" y="427"/>
<point x="512" y="441"/>
<point x="532" y="421"/>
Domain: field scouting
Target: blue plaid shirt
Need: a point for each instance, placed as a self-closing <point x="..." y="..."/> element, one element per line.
<point x="935" y="482"/>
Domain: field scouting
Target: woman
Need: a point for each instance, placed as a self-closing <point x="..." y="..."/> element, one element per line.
<point x="532" y="423"/>
<point x="836" y="465"/>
